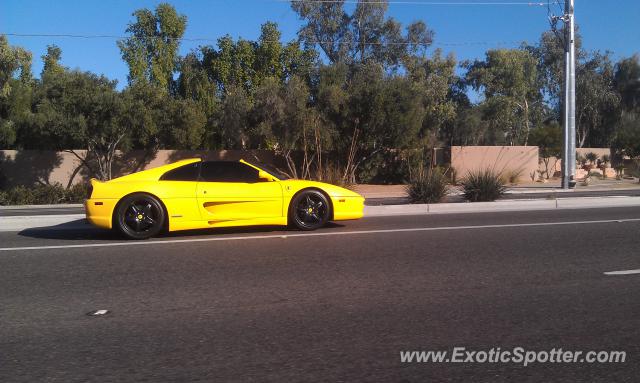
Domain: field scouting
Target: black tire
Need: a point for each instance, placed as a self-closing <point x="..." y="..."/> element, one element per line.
<point x="309" y="210"/>
<point x="139" y="216"/>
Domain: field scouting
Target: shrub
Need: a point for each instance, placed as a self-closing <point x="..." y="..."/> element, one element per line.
<point x="385" y="167"/>
<point x="77" y="193"/>
<point x="19" y="195"/>
<point x="512" y="176"/>
<point x="483" y="185"/>
<point x="428" y="186"/>
<point x="591" y="157"/>
<point x="43" y="195"/>
<point x="48" y="194"/>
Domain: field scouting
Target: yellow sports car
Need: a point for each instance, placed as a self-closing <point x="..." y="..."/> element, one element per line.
<point x="196" y="194"/>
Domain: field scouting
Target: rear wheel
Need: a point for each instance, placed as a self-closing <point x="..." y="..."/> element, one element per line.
<point x="139" y="216"/>
<point x="309" y="210"/>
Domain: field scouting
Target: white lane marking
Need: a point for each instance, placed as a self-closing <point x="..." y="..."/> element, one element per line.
<point x="315" y="234"/>
<point x="98" y="313"/>
<point x="623" y="272"/>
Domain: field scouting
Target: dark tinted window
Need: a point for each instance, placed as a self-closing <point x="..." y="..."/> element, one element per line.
<point x="183" y="173"/>
<point x="228" y="172"/>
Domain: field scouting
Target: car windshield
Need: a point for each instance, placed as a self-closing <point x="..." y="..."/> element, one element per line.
<point x="271" y="170"/>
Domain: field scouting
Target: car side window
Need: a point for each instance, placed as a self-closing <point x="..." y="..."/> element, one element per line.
<point x="220" y="171"/>
<point x="183" y="173"/>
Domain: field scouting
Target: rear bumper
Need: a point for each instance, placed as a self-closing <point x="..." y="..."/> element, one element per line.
<point x="345" y="208"/>
<point x="100" y="211"/>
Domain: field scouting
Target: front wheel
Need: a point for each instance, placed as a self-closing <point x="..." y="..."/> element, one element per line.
<point x="139" y="216"/>
<point x="309" y="210"/>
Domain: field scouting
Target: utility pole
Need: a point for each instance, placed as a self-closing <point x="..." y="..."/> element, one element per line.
<point x="569" y="152"/>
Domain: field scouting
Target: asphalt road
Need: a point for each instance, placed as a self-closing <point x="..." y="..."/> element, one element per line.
<point x="335" y="305"/>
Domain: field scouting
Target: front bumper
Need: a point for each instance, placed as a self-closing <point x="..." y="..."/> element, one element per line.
<point x="345" y="208"/>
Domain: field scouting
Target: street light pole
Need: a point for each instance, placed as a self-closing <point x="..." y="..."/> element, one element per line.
<point x="569" y="153"/>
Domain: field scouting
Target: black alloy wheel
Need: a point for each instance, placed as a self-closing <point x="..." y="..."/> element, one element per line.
<point x="309" y="210"/>
<point x="140" y="216"/>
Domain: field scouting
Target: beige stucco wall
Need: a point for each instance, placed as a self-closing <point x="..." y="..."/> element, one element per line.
<point x="502" y="159"/>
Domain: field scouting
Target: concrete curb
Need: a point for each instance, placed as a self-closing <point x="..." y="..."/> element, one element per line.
<point x="78" y="221"/>
<point x="57" y="206"/>
<point x="498" y="206"/>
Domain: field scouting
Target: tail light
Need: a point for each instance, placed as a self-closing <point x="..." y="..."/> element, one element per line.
<point x="90" y="188"/>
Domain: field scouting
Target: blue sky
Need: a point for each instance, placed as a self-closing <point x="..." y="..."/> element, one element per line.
<point x="605" y="25"/>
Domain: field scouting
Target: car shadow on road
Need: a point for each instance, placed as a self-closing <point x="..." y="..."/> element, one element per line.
<point x="80" y="231"/>
<point x="241" y="230"/>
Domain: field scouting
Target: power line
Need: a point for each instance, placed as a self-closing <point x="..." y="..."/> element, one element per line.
<point x="209" y="39"/>
<point x="401" y="2"/>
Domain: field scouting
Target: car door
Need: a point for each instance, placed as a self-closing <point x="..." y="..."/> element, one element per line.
<point x="177" y="189"/>
<point x="233" y="191"/>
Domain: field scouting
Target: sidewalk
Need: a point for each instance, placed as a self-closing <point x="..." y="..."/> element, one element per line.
<point x="616" y="187"/>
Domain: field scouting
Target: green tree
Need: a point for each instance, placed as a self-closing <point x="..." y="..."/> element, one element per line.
<point x="51" y="61"/>
<point x="15" y="62"/>
<point x="158" y="121"/>
<point x="327" y="26"/>
<point x="79" y="110"/>
<point x="269" y="52"/>
<point x="195" y="84"/>
<point x="627" y="139"/>
<point x="548" y="138"/>
<point x="233" y="119"/>
<point x="509" y="81"/>
<point x="233" y="64"/>
<point x="367" y="34"/>
<point x="597" y="102"/>
<point x="549" y="53"/>
<point x="627" y="82"/>
<point x="298" y="62"/>
<point x="285" y="123"/>
<point x="151" y="51"/>
<point x="15" y="85"/>
<point x="370" y="113"/>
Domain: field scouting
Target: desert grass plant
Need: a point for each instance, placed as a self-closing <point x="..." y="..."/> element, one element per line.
<point x="512" y="176"/>
<point x="483" y="186"/>
<point x="333" y="174"/>
<point x="427" y="186"/>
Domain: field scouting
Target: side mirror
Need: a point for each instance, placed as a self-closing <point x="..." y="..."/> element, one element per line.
<point x="264" y="176"/>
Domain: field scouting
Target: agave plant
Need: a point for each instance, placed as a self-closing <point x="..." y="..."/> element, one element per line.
<point x="483" y="185"/>
<point x="427" y="186"/>
<point x="591" y="157"/>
